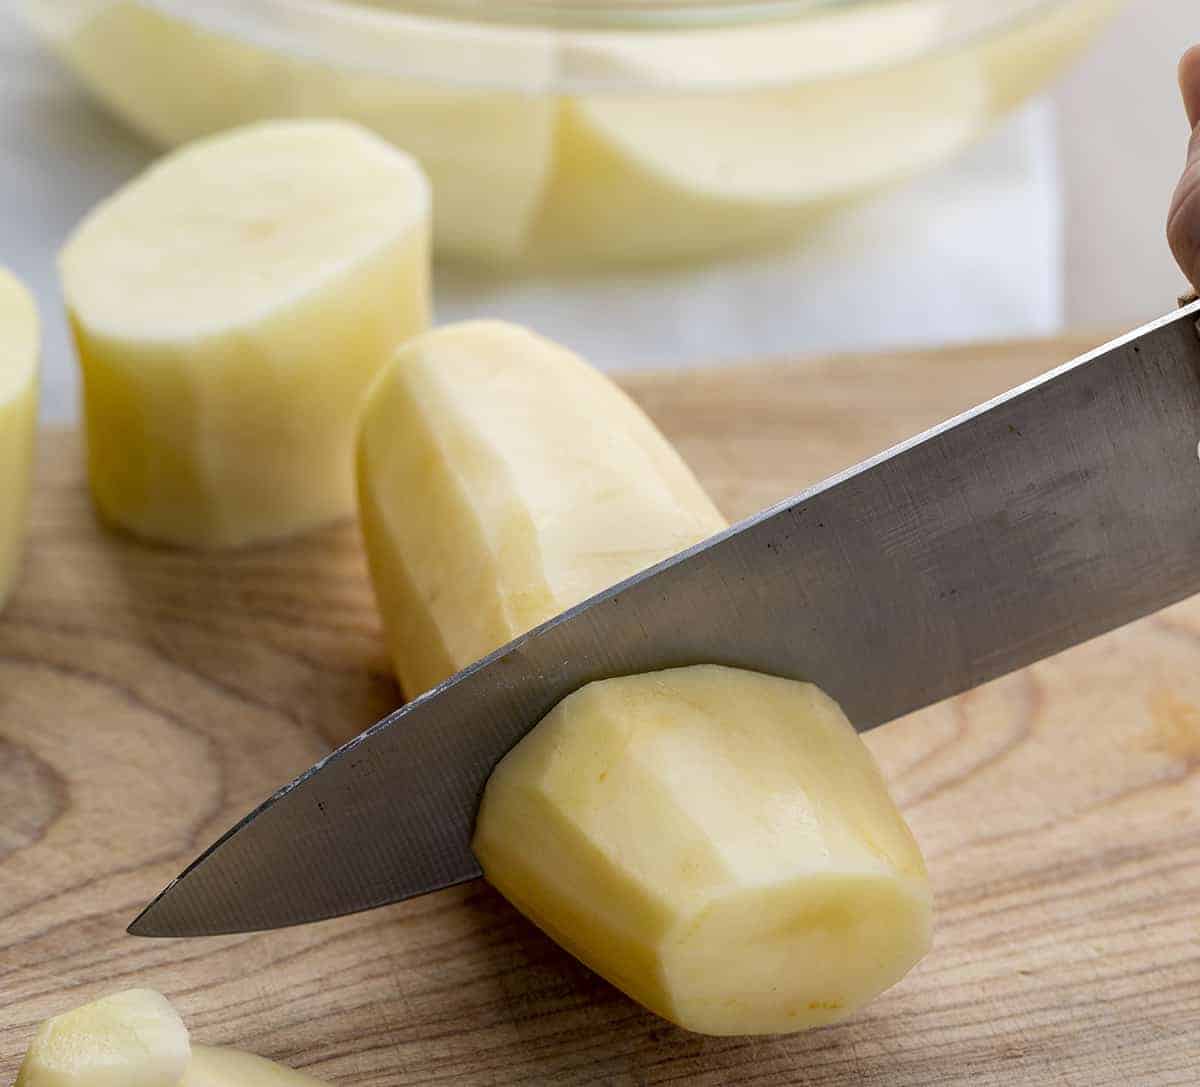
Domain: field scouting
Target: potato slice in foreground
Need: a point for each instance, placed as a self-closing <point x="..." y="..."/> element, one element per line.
<point x="130" y="1039"/>
<point x="717" y="843"/>
<point x="230" y="308"/>
<point x="213" y="1066"/>
<point x="18" y="420"/>
<point x="502" y="480"/>
<point x="136" y="1039"/>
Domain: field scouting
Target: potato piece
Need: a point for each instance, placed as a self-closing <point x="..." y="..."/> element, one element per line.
<point x="18" y="420"/>
<point x="653" y="176"/>
<point x="717" y="843"/>
<point x="502" y="480"/>
<point x="211" y="1066"/>
<point x="230" y="308"/>
<point x="487" y="152"/>
<point x="130" y="1039"/>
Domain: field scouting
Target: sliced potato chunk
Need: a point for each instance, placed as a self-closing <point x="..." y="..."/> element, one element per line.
<point x="212" y="1066"/>
<point x="230" y="308"/>
<point x="717" y="843"/>
<point x="130" y="1039"/>
<point x="19" y="337"/>
<point x="502" y="480"/>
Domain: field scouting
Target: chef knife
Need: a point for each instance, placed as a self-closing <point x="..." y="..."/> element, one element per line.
<point x="1042" y="518"/>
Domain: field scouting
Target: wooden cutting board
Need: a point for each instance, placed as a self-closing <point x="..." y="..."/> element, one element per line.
<point x="148" y="698"/>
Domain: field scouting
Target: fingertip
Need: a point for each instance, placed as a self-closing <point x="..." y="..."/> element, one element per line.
<point x="1189" y="84"/>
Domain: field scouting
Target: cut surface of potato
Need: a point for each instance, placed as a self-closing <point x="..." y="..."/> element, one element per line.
<point x="230" y="308"/>
<point x="130" y="1039"/>
<point x="213" y="1066"/>
<point x="501" y="481"/>
<point x="19" y="338"/>
<point x="717" y="843"/>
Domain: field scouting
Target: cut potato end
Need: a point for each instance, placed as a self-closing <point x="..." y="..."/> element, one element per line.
<point x="212" y="1066"/>
<point x="502" y="480"/>
<point x="130" y="1039"/>
<point x="717" y="843"/>
<point x="19" y="338"/>
<point x="239" y="227"/>
<point x="230" y="308"/>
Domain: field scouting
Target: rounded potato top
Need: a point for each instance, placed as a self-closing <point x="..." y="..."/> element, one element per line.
<point x="18" y="337"/>
<point x="129" y="1039"/>
<point x="231" y="229"/>
<point x="501" y="481"/>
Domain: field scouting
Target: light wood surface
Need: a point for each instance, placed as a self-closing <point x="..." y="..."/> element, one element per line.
<point x="149" y="697"/>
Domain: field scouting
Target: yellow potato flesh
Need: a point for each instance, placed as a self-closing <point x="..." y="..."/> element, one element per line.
<point x="18" y="420"/>
<point x="230" y="309"/>
<point x="651" y="177"/>
<point x="136" y="1039"/>
<point x="717" y="843"/>
<point x="130" y="1039"/>
<point x="487" y="152"/>
<point x="502" y="480"/>
<point x="212" y="1066"/>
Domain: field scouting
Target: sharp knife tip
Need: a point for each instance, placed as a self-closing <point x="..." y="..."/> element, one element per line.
<point x="151" y="921"/>
<point x="140" y="926"/>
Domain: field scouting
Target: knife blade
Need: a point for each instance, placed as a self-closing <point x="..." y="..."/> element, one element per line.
<point x="1051" y="514"/>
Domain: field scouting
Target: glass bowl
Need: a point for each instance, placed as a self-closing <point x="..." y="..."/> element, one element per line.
<point x="588" y="132"/>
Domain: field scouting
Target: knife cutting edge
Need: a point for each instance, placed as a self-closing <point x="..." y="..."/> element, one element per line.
<point x="1042" y="518"/>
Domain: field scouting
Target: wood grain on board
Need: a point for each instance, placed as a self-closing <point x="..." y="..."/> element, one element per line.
<point x="149" y="697"/>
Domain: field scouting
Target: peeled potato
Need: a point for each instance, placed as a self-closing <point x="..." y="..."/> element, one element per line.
<point x="130" y="1039"/>
<point x="230" y="308"/>
<point x="211" y="1066"/>
<point x="502" y="480"/>
<point x="717" y="843"/>
<point x="18" y="419"/>
<point x="658" y="176"/>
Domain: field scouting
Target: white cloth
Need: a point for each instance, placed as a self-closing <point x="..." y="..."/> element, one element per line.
<point x="971" y="251"/>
